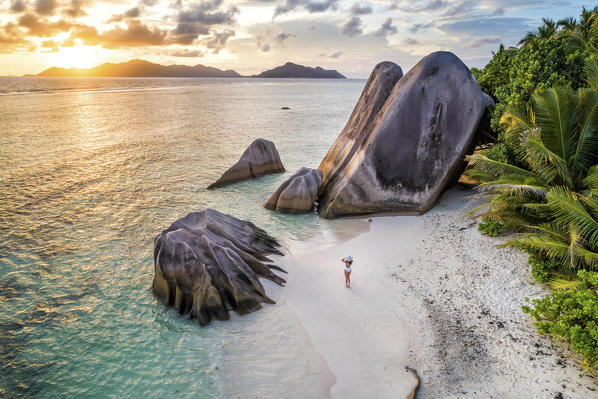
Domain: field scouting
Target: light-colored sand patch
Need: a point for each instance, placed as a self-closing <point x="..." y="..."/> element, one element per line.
<point x="429" y="292"/>
<point x="432" y="293"/>
<point x="362" y="332"/>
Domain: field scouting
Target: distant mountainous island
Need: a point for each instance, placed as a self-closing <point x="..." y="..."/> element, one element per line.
<point x="141" y="68"/>
<point x="290" y="70"/>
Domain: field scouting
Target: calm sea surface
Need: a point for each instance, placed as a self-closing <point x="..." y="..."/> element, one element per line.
<point x="90" y="171"/>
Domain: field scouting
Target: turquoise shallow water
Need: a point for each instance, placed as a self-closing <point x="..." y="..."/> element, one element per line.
<point x="90" y="171"/>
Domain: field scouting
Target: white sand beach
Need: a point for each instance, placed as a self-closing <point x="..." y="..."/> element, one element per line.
<point x="429" y="292"/>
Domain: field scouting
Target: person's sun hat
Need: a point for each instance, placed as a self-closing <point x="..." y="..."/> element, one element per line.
<point x="348" y="258"/>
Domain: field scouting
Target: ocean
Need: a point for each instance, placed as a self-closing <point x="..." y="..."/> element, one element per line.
<point x="91" y="170"/>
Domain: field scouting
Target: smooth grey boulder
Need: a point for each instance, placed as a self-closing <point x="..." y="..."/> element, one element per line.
<point x="377" y="89"/>
<point x="411" y="148"/>
<point x="260" y="158"/>
<point x="208" y="263"/>
<point x="298" y="193"/>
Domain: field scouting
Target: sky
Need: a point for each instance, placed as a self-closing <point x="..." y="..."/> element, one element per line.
<point x="249" y="36"/>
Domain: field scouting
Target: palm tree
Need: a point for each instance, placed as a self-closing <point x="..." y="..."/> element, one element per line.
<point x="555" y="142"/>
<point x="571" y="235"/>
<point x="583" y="33"/>
<point x="547" y="30"/>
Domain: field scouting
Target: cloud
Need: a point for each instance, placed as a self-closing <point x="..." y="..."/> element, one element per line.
<point x="217" y="40"/>
<point x="432" y="5"/>
<point x="513" y="28"/>
<point x="76" y="8"/>
<point x="480" y="41"/>
<point x="186" y="33"/>
<point x="386" y="28"/>
<point x="282" y="36"/>
<point x="51" y="45"/>
<point x="186" y="53"/>
<point x="149" y="3"/>
<point x="271" y="35"/>
<point x="420" y="27"/>
<point x="308" y="5"/>
<point x="131" y="13"/>
<point x="461" y="9"/>
<point x="336" y="54"/>
<point x="198" y="19"/>
<point x="410" y="41"/>
<point x="208" y="13"/>
<point x="17" y="6"/>
<point x="135" y="34"/>
<point x="356" y="9"/>
<point x="12" y="38"/>
<point x="41" y="27"/>
<point x="353" y="27"/>
<point x="45" y="7"/>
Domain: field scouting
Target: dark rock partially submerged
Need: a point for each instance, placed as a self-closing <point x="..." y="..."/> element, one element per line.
<point x="208" y="263"/>
<point x="398" y="158"/>
<point x="298" y="193"/>
<point x="260" y="158"/>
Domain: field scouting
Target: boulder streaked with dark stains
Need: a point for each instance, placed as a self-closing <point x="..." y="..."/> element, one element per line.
<point x="377" y="89"/>
<point x="208" y="263"/>
<point x="298" y="193"/>
<point x="259" y="159"/>
<point x="411" y="148"/>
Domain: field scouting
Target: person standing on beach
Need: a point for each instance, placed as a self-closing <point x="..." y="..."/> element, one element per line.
<point x="348" y="261"/>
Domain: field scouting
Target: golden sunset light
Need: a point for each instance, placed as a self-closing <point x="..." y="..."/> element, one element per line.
<point x="298" y="199"/>
<point x="78" y="56"/>
<point x="341" y="34"/>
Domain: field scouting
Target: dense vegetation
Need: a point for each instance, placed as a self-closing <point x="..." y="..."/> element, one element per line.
<point x="540" y="177"/>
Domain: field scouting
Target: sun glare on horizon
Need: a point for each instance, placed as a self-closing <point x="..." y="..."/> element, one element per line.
<point x="78" y="56"/>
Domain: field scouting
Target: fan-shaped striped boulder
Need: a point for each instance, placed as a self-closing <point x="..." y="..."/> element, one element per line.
<point x="208" y="263"/>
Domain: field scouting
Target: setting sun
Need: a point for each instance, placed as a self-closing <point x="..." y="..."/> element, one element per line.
<point x="77" y="57"/>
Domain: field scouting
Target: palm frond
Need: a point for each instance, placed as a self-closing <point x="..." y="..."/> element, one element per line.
<point x="544" y="162"/>
<point x="553" y="248"/>
<point x="569" y="211"/>
<point x="564" y="284"/>
<point x="497" y="168"/>
<point x="516" y="120"/>
<point x="586" y="151"/>
<point x="591" y="179"/>
<point x="555" y="116"/>
<point x="591" y="70"/>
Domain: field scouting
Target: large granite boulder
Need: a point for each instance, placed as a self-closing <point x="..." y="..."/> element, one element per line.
<point x="411" y="148"/>
<point x="298" y="193"/>
<point x="377" y="89"/>
<point x="260" y="158"/>
<point x="208" y="263"/>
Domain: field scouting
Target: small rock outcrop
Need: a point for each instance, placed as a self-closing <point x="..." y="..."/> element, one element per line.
<point x="399" y="157"/>
<point x="208" y="263"/>
<point x="259" y="159"/>
<point x="298" y="193"/>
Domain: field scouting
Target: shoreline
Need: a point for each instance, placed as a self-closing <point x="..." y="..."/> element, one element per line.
<point x="432" y="293"/>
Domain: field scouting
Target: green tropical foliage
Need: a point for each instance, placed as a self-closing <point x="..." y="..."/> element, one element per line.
<point x="571" y="315"/>
<point x="540" y="178"/>
<point x="555" y="143"/>
<point x="554" y="55"/>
